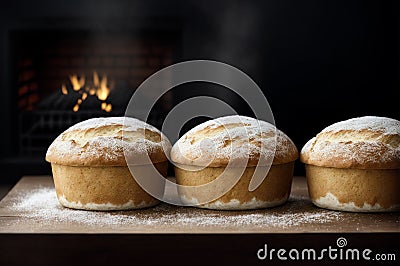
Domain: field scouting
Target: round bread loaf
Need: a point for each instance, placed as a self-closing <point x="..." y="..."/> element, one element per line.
<point x="89" y="167"/>
<point x="235" y="141"/>
<point x="354" y="165"/>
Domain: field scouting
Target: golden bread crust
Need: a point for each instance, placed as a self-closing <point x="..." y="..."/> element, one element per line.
<point x="234" y="140"/>
<point x="101" y="188"/>
<point x="273" y="191"/>
<point x="362" y="143"/>
<point x="365" y="190"/>
<point x="108" y="142"/>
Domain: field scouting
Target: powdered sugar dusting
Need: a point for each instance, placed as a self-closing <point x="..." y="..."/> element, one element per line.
<point x="130" y="124"/>
<point x="109" y="141"/>
<point x="374" y="123"/>
<point x="41" y="205"/>
<point x="363" y="142"/>
<point x="233" y="139"/>
<point x="330" y="201"/>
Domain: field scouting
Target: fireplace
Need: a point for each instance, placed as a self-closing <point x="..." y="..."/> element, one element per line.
<point x="63" y="77"/>
<point x="59" y="71"/>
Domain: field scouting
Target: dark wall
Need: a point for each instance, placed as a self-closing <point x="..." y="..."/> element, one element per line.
<point x="317" y="62"/>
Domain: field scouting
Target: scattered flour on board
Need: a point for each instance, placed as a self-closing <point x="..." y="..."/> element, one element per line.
<point x="41" y="205"/>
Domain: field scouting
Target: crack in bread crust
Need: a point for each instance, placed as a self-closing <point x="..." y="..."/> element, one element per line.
<point x="362" y="143"/>
<point x="235" y="140"/>
<point x="109" y="141"/>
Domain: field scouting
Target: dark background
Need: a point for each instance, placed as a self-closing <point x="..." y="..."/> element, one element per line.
<point x="178" y="249"/>
<point x="317" y="62"/>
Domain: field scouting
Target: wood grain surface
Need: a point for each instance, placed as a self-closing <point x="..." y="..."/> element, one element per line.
<point x="298" y="215"/>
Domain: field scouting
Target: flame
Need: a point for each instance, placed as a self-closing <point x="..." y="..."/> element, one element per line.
<point x="64" y="89"/>
<point x="95" y="79"/>
<point x="82" y="82"/>
<point x="75" y="83"/>
<point x="103" y="91"/>
<point x="106" y="107"/>
<point x="99" y="88"/>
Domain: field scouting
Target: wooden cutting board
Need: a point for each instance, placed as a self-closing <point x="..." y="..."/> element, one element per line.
<point x="31" y="207"/>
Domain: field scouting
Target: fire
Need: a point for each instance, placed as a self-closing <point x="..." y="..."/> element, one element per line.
<point x="64" y="89"/>
<point x="98" y="87"/>
<point x="106" y="107"/>
<point x="74" y="82"/>
<point x="82" y="81"/>
<point x="103" y="91"/>
<point x="95" y="79"/>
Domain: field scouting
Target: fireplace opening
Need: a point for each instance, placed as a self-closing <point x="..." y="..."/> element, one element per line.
<point x="63" y="77"/>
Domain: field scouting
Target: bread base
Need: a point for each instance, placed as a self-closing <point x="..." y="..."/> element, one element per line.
<point x="354" y="190"/>
<point x="101" y="188"/>
<point x="273" y="191"/>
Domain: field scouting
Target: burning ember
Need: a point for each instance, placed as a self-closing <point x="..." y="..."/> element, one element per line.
<point x="95" y="87"/>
